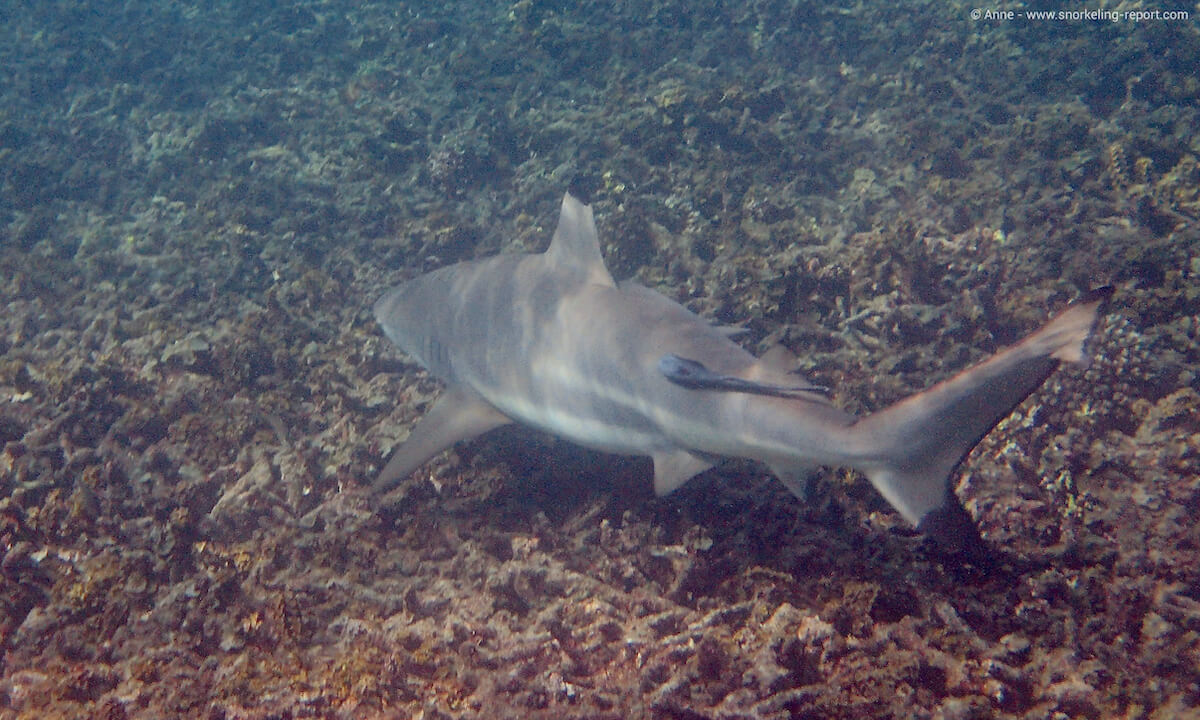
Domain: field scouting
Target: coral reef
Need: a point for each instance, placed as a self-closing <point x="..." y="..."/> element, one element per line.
<point x="200" y="201"/>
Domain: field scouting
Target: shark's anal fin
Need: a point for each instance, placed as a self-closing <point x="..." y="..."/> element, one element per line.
<point x="694" y="375"/>
<point x="456" y="416"/>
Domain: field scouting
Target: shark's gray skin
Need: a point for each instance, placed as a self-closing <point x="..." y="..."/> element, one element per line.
<point x="550" y="341"/>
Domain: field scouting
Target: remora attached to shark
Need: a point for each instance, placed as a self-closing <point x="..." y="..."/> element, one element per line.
<point x="549" y="340"/>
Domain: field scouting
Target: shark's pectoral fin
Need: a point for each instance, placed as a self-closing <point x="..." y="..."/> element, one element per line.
<point x="457" y="415"/>
<point x="674" y="468"/>
<point x="693" y="375"/>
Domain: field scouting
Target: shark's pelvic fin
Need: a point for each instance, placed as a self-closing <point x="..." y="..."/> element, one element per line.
<point x="796" y="477"/>
<point x="457" y="415"/>
<point x="918" y="442"/>
<point x="576" y="246"/>
<point x="674" y="468"/>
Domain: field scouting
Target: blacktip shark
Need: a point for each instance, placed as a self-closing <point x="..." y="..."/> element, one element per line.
<point x="549" y="340"/>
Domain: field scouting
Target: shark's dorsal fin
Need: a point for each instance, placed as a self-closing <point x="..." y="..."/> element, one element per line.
<point x="576" y="246"/>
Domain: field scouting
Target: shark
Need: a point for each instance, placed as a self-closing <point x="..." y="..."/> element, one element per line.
<point x="549" y="340"/>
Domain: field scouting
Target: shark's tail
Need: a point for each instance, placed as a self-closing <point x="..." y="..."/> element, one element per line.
<point x="916" y="443"/>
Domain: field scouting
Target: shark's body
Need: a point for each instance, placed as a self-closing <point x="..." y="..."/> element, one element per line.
<point x="551" y="341"/>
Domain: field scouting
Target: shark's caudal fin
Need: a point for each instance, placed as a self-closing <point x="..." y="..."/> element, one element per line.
<point x="916" y="443"/>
